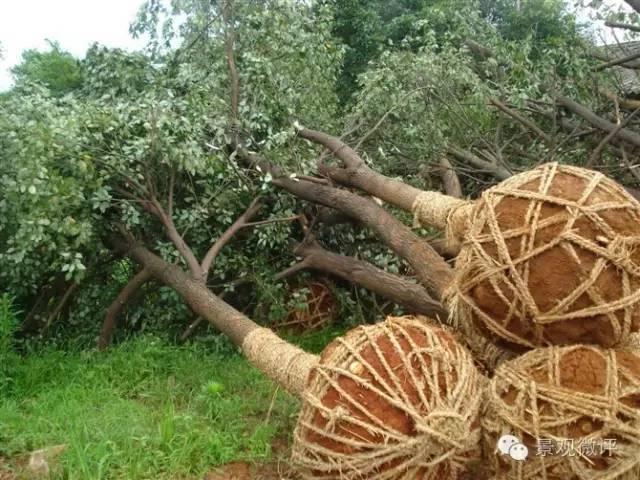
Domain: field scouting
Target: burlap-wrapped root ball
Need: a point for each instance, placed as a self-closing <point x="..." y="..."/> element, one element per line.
<point x="576" y="409"/>
<point x="551" y="257"/>
<point x="396" y="400"/>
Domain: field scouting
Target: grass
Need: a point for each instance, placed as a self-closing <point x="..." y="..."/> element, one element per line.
<point x="145" y="409"/>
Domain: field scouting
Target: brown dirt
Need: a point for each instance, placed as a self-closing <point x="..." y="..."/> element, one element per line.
<point x="320" y="310"/>
<point x="580" y="370"/>
<point x="377" y="406"/>
<point x="6" y="472"/>
<point x="278" y="469"/>
<point x="556" y="273"/>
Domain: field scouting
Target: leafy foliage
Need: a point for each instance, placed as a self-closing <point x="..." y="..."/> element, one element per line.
<point x="55" y="69"/>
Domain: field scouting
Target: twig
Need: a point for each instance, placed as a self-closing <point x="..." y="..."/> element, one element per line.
<point x="632" y="168"/>
<point x="271" y="220"/>
<point x="292" y="270"/>
<point x="522" y="120"/>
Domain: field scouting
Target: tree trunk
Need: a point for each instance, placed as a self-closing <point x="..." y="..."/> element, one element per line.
<point x="286" y="364"/>
<point x="111" y="316"/>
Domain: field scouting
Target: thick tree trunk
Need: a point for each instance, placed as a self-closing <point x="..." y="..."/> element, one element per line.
<point x="432" y="270"/>
<point x="284" y="363"/>
<point x="397" y="289"/>
<point x="111" y="316"/>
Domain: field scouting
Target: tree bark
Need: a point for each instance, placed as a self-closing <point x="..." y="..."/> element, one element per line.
<point x="599" y="122"/>
<point x="113" y="311"/>
<point x="357" y="174"/>
<point x="393" y="287"/>
<point x="450" y="180"/>
<point x="282" y="362"/>
<point x="432" y="270"/>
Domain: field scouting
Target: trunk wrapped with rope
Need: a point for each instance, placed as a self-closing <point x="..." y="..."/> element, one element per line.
<point x="550" y="257"/>
<point x="576" y="409"/>
<point x="396" y="400"/>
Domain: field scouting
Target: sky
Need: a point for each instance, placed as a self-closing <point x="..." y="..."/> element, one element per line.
<point x="75" y="24"/>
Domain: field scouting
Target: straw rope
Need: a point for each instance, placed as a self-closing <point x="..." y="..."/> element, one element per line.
<point x="444" y="212"/>
<point x="573" y="396"/>
<point x="395" y="400"/>
<point x="284" y="363"/>
<point x="500" y="257"/>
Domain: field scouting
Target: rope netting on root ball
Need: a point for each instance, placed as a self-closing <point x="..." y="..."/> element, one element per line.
<point x="550" y="257"/>
<point x="576" y="409"/>
<point x="395" y="400"/>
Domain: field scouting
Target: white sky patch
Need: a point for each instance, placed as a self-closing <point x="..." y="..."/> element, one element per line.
<point x="74" y="24"/>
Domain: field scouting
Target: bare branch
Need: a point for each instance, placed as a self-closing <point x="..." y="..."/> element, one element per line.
<point x="336" y="146"/>
<point x="172" y="181"/>
<point x="619" y="61"/>
<point x="292" y="270"/>
<point x="597" y="121"/>
<point x="632" y="168"/>
<point x="234" y="79"/>
<point x="358" y="174"/>
<point x="272" y="220"/>
<point x="626" y="103"/>
<point x="177" y="240"/>
<point x="450" y="179"/>
<point x="62" y="303"/>
<point x="430" y="267"/>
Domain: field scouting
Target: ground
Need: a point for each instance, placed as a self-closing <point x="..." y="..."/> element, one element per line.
<point x="145" y="409"/>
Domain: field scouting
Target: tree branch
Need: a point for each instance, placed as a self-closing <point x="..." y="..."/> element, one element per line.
<point x="494" y="169"/>
<point x="619" y="61"/>
<point x="227" y="14"/>
<point x="357" y="174"/>
<point x="113" y="311"/>
<point x="218" y="245"/>
<point x="430" y="267"/>
<point x="595" y="155"/>
<point x="530" y="125"/>
<point x="62" y="303"/>
<point x="177" y="240"/>
<point x="626" y="26"/>
<point x="597" y="121"/>
<point x="450" y="180"/>
<point x="397" y="289"/>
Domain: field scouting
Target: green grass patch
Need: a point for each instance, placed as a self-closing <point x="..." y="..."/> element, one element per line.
<point x="145" y="409"/>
